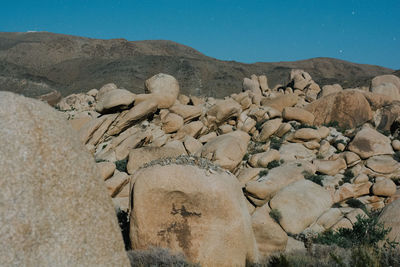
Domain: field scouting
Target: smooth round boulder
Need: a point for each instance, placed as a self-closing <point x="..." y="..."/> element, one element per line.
<point x="390" y="217"/>
<point x="164" y="88"/>
<point x="200" y="211"/>
<point x="55" y="210"/>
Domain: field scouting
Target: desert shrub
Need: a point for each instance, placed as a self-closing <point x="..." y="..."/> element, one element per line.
<point x="273" y="164"/>
<point x="348" y="175"/>
<point x="263" y="173"/>
<point x="330" y="256"/>
<point x="121" y="165"/>
<point x="367" y="231"/>
<point x="159" y="257"/>
<point x="316" y="178"/>
<point x="99" y="160"/>
<point x="275" y="143"/>
<point x="246" y="157"/>
<point x="275" y="214"/>
<point x="355" y="203"/>
<point x="260" y="124"/>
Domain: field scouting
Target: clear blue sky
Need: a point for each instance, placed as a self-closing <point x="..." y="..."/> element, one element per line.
<point x="362" y="31"/>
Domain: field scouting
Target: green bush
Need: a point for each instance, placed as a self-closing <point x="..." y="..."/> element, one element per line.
<point x="275" y="143"/>
<point x="273" y="164"/>
<point x="367" y="231"/>
<point x="355" y="203"/>
<point x="121" y="165"/>
<point x="263" y="173"/>
<point x="348" y="175"/>
<point x="316" y="178"/>
<point x="275" y="214"/>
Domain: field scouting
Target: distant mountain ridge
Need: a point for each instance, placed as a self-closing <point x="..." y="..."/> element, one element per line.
<point x="34" y="63"/>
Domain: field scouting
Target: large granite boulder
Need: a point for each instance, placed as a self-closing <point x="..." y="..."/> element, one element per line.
<point x="55" y="210"/>
<point x="200" y="211"/>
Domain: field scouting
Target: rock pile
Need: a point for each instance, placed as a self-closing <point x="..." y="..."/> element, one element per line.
<point x="296" y="152"/>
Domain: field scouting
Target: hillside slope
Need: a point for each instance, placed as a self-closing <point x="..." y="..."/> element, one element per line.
<point x="34" y="63"/>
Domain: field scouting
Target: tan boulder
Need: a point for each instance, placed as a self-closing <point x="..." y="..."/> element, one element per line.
<point x="261" y="160"/>
<point x="300" y="79"/>
<point x="78" y="123"/>
<point x="269" y="235"/>
<point x="98" y="135"/>
<point x="105" y="89"/>
<point x="390" y="217"/>
<point x="251" y="85"/>
<point x="192" y="129"/>
<point x="133" y="141"/>
<point x="224" y="110"/>
<point x="349" y="108"/>
<point x="330" y="89"/>
<point x="247" y="174"/>
<point x="114" y="99"/>
<point x="387" y="85"/>
<point x="347" y="191"/>
<point x="208" y="137"/>
<point x="164" y="89"/>
<point x="384" y="164"/>
<point x="368" y="142"/>
<point x="53" y="177"/>
<point x="280" y="102"/>
<point x="187" y="112"/>
<point x="106" y="169"/>
<point x="342" y="223"/>
<point x="172" y="123"/>
<point x="298" y="114"/>
<point x="330" y="167"/>
<point x="116" y="183"/>
<point x="300" y="204"/>
<point x="329" y="218"/>
<point x="226" y="150"/>
<point x="384" y="187"/>
<point x="307" y="134"/>
<point x="295" y="151"/>
<point x="128" y="118"/>
<point x="200" y="213"/>
<point x="263" y="81"/>
<point x="277" y="178"/>
<point x="140" y="156"/>
<point x="396" y="145"/>
<point x="269" y="128"/>
<point x="192" y="145"/>
<point x="86" y="131"/>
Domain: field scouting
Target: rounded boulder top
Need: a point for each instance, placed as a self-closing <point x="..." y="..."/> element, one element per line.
<point x="54" y="209"/>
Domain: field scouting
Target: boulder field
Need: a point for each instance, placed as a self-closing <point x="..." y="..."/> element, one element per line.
<point x="223" y="181"/>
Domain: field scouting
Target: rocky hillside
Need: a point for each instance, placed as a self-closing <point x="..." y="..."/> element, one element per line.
<point x="37" y="63"/>
<point x="266" y="169"/>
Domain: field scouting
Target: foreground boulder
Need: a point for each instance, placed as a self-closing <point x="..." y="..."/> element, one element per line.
<point x="55" y="210"/>
<point x="369" y="142"/>
<point x="300" y="204"/>
<point x="349" y="108"/>
<point x="387" y="85"/>
<point x="201" y="212"/>
<point x="390" y="217"/>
